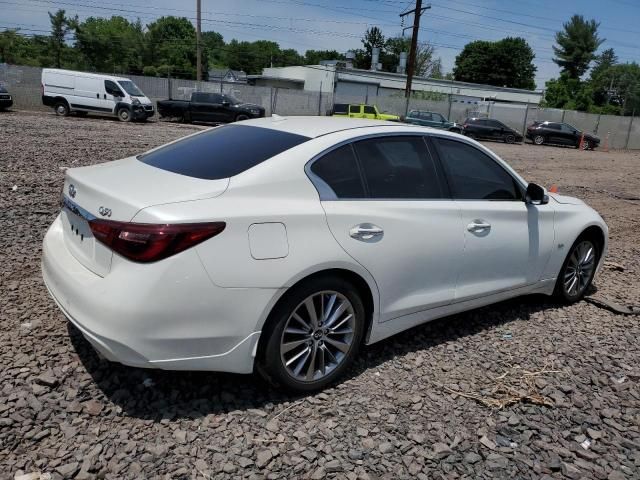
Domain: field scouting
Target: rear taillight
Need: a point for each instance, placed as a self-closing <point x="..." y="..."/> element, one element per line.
<point x="464" y="125"/>
<point x="146" y="242"/>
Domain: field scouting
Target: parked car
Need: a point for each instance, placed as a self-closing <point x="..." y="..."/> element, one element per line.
<point x="486" y="128"/>
<point x="285" y="243"/>
<point x="362" y="111"/>
<point x="209" y="107"/>
<point x="79" y="92"/>
<point x="432" y="119"/>
<point x="5" y="98"/>
<point x="559" y="133"/>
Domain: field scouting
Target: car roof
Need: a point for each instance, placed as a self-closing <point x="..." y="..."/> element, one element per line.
<point x="317" y="126"/>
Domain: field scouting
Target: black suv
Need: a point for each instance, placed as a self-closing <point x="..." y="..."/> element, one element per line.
<point x="490" y="129"/>
<point x="558" y="133"/>
<point x="5" y="99"/>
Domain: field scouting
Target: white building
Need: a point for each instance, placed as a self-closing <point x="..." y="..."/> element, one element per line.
<point x="351" y="82"/>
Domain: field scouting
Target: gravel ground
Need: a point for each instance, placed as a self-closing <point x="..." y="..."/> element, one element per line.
<point x="545" y="391"/>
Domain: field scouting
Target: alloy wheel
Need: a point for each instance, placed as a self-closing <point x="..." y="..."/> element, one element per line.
<point x="580" y="268"/>
<point x="538" y="139"/>
<point x="317" y="336"/>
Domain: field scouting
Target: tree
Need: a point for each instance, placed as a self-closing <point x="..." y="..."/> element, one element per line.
<point x="577" y="45"/>
<point x="171" y="42"/>
<point x="505" y="63"/>
<point x="313" y="57"/>
<point x="373" y="38"/>
<point x="111" y="44"/>
<point x="213" y="48"/>
<point x="61" y="25"/>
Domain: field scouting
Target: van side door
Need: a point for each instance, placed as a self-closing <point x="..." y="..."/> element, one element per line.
<point x="112" y="95"/>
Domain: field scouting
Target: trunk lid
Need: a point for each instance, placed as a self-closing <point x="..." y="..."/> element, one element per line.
<point x="117" y="191"/>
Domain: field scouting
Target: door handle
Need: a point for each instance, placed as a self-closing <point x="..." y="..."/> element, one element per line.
<point x="365" y="231"/>
<point x="478" y="226"/>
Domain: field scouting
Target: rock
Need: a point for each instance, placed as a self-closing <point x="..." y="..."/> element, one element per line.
<point x="571" y="471"/>
<point x="68" y="469"/>
<point x="180" y="436"/>
<point x="355" y="454"/>
<point x="442" y="450"/>
<point x="27" y="476"/>
<point x="92" y="407"/>
<point x="595" y="434"/>
<point x="229" y="467"/>
<point x="47" y="379"/>
<point x="472" y="458"/>
<point x="386" y="447"/>
<point x="487" y="443"/>
<point x="263" y="458"/>
<point x="333" y="466"/>
<point x="319" y="474"/>
<point x="616" y="475"/>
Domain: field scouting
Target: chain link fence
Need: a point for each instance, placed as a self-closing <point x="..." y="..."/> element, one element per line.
<point x="24" y="83"/>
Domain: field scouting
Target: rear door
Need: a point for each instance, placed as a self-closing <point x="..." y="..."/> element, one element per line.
<point x="569" y="134"/>
<point x="506" y="242"/>
<point x="88" y="94"/>
<point x="203" y="106"/>
<point x="388" y="208"/>
<point x="355" y="111"/>
<point x="369" y="112"/>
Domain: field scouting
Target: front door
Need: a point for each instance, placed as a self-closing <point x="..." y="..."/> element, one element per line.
<point x="391" y="215"/>
<point x="506" y="242"/>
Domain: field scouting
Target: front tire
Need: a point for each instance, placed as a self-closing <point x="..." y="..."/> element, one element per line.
<point x="578" y="270"/>
<point x="240" y="117"/>
<point x="62" y="109"/>
<point x="538" y="140"/>
<point x="124" y="115"/>
<point x="313" y="335"/>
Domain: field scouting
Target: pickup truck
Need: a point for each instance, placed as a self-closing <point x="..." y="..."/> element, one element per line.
<point x="209" y="107"/>
<point x="361" y="111"/>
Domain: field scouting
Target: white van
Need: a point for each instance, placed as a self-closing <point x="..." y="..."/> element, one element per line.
<point x="68" y="91"/>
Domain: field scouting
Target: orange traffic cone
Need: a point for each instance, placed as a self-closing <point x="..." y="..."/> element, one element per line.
<point x="581" y="145"/>
<point x="606" y="142"/>
<point x="553" y="189"/>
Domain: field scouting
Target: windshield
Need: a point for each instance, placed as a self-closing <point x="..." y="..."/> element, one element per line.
<point x="131" y="88"/>
<point x="3" y="90"/>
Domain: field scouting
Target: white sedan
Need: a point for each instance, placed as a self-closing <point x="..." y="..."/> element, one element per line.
<point x="283" y="244"/>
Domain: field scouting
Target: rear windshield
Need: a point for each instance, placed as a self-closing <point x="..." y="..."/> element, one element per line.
<point x="222" y="152"/>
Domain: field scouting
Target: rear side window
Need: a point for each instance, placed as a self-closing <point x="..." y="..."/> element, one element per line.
<point x="354" y="108"/>
<point x="340" y="108"/>
<point x="398" y="167"/>
<point x="339" y="170"/>
<point x="473" y="175"/>
<point x="222" y="152"/>
<point x="368" y="109"/>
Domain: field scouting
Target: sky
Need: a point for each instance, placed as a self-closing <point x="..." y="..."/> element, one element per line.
<point x="339" y="25"/>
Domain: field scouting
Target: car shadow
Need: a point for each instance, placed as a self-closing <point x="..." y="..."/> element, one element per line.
<point x="156" y="394"/>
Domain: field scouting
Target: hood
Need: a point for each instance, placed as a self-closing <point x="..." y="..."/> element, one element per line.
<point x="565" y="199"/>
<point x="249" y="105"/>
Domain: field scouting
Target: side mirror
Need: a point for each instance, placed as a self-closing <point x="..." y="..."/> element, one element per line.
<point x="225" y="103"/>
<point x="536" y="195"/>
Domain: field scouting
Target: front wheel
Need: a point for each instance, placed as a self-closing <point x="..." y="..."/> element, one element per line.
<point x="313" y="335"/>
<point x="61" y="109"/>
<point x="538" y="139"/>
<point x="577" y="271"/>
<point x="586" y="145"/>
<point x="240" y="117"/>
<point x="124" y="115"/>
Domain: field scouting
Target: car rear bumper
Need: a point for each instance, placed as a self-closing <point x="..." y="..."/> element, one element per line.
<point x="6" y="102"/>
<point x="166" y="315"/>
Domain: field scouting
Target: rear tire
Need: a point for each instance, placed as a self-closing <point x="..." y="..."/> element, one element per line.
<point x="509" y="138"/>
<point x="302" y="355"/>
<point x="538" y="140"/>
<point x="61" y="108"/>
<point x="578" y="270"/>
<point x="124" y="115"/>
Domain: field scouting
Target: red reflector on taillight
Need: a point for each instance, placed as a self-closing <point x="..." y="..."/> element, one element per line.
<point x="146" y="242"/>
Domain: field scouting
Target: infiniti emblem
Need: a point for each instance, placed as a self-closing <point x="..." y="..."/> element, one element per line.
<point x="104" y="211"/>
<point x="72" y="190"/>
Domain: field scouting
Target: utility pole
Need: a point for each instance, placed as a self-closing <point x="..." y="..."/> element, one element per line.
<point x="198" y="45"/>
<point x="417" y="13"/>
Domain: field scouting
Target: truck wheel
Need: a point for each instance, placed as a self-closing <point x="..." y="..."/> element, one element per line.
<point x="61" y="108"/>
<point x="241" y="117"/>
<point x="124" y="115"/>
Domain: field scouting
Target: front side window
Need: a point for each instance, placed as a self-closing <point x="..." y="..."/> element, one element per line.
<point x="354" y="109"/>
<point x="553" y="126"/>
<point x="368" y="109"/>
<point x="473" y="175"/>
<point x="339" y="170"/>
<point x="398" y="167"/>
<point x="426" y="116"/>
<point x="437" y="117"/>
<point x="112" y="89"/>
<point x="340" y="108"/>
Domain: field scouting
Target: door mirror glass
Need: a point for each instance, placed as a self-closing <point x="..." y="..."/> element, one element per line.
<point x="536" y="195"/>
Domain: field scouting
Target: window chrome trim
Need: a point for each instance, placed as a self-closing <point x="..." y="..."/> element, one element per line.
<point x="326" y="193"/>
